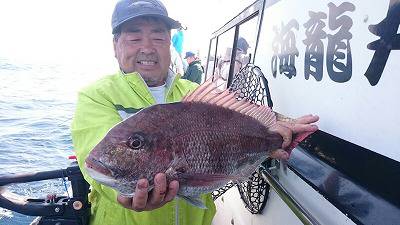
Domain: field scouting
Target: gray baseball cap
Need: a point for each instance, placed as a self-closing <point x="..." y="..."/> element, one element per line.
<point x="128" y="9"/>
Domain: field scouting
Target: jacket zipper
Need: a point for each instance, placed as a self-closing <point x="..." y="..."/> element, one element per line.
<point x="177" y="211"/>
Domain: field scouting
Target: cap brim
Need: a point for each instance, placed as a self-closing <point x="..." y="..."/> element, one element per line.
<point x="187" y="56"/>
<point x="171" y="23"/>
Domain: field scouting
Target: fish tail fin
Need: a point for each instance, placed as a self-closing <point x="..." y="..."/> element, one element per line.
<point x="297" y="139"/>
<point x="206" y="93"/>
<point x="194" y="200"/>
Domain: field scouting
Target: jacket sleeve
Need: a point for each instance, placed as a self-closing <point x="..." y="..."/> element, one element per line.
<point x="194" y="74"/>
<point x="94" y="116"/>
<point x="200" y="72"/>
<point x="187" y="73"/>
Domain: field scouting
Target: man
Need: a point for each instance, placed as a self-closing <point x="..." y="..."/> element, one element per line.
<point x="194" y="70"/>
<point x="141" y="41"/>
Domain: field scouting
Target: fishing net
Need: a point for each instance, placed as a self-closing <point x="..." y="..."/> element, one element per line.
<point x="250" y="83"/>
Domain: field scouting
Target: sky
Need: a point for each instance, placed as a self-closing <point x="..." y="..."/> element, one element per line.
<point x="79" y="31"/>
<point x="203" y="18"/>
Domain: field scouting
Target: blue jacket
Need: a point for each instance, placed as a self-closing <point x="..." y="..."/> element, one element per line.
<point x="177" y="41"/>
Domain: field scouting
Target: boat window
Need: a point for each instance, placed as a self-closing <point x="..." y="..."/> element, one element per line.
<point x="244" y="48"/>
<point x="211" y="59"/>
<point x="224" y="52"/>
<point x="245" y="43"/>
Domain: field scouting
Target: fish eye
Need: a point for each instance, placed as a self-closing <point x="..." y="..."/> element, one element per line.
<point x="136" y="141"/>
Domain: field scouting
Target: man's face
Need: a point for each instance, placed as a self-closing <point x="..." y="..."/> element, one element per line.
<point x="189" y="59"/>
<point x="144" y="46"/>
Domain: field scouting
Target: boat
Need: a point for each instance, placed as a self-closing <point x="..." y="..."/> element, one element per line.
<point x="336" y="59"/>
<point x="73" y="208"/>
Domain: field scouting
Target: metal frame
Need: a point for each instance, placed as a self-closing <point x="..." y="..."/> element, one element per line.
<point x="65" y="210"/>
<point x="301" y="213"/>
<point x="248" y="13"/>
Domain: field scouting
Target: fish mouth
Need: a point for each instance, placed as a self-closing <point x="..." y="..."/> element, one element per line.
<point x="121" y="187"/>
<point x="98" y="171"/>
<point x="101" y="178"/>
<point x="98" y="166"/>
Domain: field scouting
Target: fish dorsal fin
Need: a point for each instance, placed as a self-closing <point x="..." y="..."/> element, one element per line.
<point x="206" y="93"/>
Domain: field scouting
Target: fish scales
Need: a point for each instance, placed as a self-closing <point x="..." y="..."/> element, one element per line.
<point x="224" y="136"/>
<point x="201" y="145"/>
<point x="199" y="129"/>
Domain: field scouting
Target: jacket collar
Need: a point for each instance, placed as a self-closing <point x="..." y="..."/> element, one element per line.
<point x="169" y="81"/>
<point x="141" y="88"/>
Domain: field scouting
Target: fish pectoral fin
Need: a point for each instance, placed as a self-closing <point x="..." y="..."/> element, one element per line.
<point x="194" y="200"/>
<point x="177" y="166"/>
<point x="200" y="179"/>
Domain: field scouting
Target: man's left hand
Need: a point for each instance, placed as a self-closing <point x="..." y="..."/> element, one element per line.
<point x="288" y="127"/>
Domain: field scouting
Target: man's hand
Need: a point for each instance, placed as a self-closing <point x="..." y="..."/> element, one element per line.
<point x="287" y="128"/>
<point x="146" y="201"/>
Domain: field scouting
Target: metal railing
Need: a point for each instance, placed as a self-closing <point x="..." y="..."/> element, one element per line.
<point x="304" y="216"/>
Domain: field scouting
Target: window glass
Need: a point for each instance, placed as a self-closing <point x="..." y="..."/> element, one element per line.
<point x="211" y="59"/>
<point x="224" y="51"/>
<point x="243" y="52"/>
<point x="245" y="43"/>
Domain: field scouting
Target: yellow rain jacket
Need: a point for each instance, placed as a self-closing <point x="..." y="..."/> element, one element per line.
<point x="102" y="105"/>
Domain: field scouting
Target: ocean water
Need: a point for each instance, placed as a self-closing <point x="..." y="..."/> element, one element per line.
<point x="37" y="102"/>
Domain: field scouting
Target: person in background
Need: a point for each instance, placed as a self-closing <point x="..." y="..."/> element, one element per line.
<point x="242" y="58"/>
<point x="142" y="40"/>
<point x="195" y="69"/>
<point x="224" y="62"/>
<point x="177" y="40"/>
<point x="177" y="43"/>
<point x="177" y="64"/>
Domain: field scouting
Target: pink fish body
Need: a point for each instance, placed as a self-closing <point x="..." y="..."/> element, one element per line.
<point x="203" y="142"/>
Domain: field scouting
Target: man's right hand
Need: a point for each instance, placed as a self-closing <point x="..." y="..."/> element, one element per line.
<point x="143" y="200"/>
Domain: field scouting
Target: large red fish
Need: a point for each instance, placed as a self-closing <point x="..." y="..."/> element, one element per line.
<point x="203" y="142"/>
